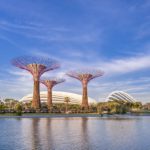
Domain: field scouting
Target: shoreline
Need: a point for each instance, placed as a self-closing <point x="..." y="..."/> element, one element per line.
<point x="41" y="115"/>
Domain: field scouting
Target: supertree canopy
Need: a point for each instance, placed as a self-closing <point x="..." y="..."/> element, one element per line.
<point x="85" y="75"/>
<point x="50" y="83"/>
<point x="36" y="66"/>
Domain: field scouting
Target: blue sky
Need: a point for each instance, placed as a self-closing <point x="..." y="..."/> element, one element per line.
<point x="112" y="35"/>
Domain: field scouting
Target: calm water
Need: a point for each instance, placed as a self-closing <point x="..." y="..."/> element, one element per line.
<point x="124" y="133"/>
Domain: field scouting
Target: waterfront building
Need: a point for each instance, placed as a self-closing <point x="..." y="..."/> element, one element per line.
<point x="58" y="97"/>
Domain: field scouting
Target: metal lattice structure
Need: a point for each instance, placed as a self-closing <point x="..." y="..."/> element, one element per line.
<point x="85" y="76"/>
<point x="36" y="66"/>
<point x="50" y="83"/>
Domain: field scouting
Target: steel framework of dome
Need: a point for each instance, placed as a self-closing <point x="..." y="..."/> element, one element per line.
<point x="58" y="97"/>
<point x="120" y="96"/>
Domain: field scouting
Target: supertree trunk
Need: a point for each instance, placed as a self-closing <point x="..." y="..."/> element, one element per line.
<point x="50" y="83"/>
<point x="85" y="76"/>
<point x="36" y="95"/>
<point x="85" y="97"/>
<point x="49" y="98"/>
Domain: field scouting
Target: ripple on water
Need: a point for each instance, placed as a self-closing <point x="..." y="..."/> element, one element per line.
<point x="75" y="133"/>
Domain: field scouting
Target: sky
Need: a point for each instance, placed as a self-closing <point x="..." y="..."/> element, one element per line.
<point x="111" y="35"/>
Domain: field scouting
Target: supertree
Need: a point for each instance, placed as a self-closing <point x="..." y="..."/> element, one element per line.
<point x="85" y="76"/>
<point x="50" y="83"/>
<point x="36" y="66"/>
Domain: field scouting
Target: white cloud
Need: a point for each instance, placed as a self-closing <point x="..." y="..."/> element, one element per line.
<point x="126" y="65"/>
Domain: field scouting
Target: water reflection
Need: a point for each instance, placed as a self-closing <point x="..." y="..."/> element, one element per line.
<point x="120" y="132"/>
<point x="47" y="133"/>
<point x="84" y="134"/>
<point x="74" y="134"/>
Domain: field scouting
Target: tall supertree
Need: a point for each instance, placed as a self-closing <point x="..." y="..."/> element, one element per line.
<point x="36" y="66"/>
<point x="50" y="83"/>
<point x="85" y="76"/>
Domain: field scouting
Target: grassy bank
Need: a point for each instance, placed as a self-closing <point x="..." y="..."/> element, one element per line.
<point x="49" y="115"/>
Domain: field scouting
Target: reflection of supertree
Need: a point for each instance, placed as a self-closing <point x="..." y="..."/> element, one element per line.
<point x="85" y="76"/>
<point x="36" y="66"/>
<point x="50" y="83"/>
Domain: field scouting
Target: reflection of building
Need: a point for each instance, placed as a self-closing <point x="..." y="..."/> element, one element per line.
<point x="120" y="96"/>
<point x="58" y="97"/>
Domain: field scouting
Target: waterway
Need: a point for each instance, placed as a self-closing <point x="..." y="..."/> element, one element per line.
<point x="75" y="133"/>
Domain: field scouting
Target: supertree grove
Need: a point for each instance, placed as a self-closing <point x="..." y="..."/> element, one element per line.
<point x="50" y="83"/>
<point x="36" y="66"/>
<point x="85" y="76"/>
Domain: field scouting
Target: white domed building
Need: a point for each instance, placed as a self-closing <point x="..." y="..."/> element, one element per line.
<point x="58" y="97"/>
<point x="120" y="96"/>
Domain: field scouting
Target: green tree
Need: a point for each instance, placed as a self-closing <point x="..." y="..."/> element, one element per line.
<point x="10" y="103"/>
<point x="136" y="106"/>
<point x="66" y="100"/>
<point x="2" y="107"/>
<point x="101" y="107"/>
<point x="18" y="109"/>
